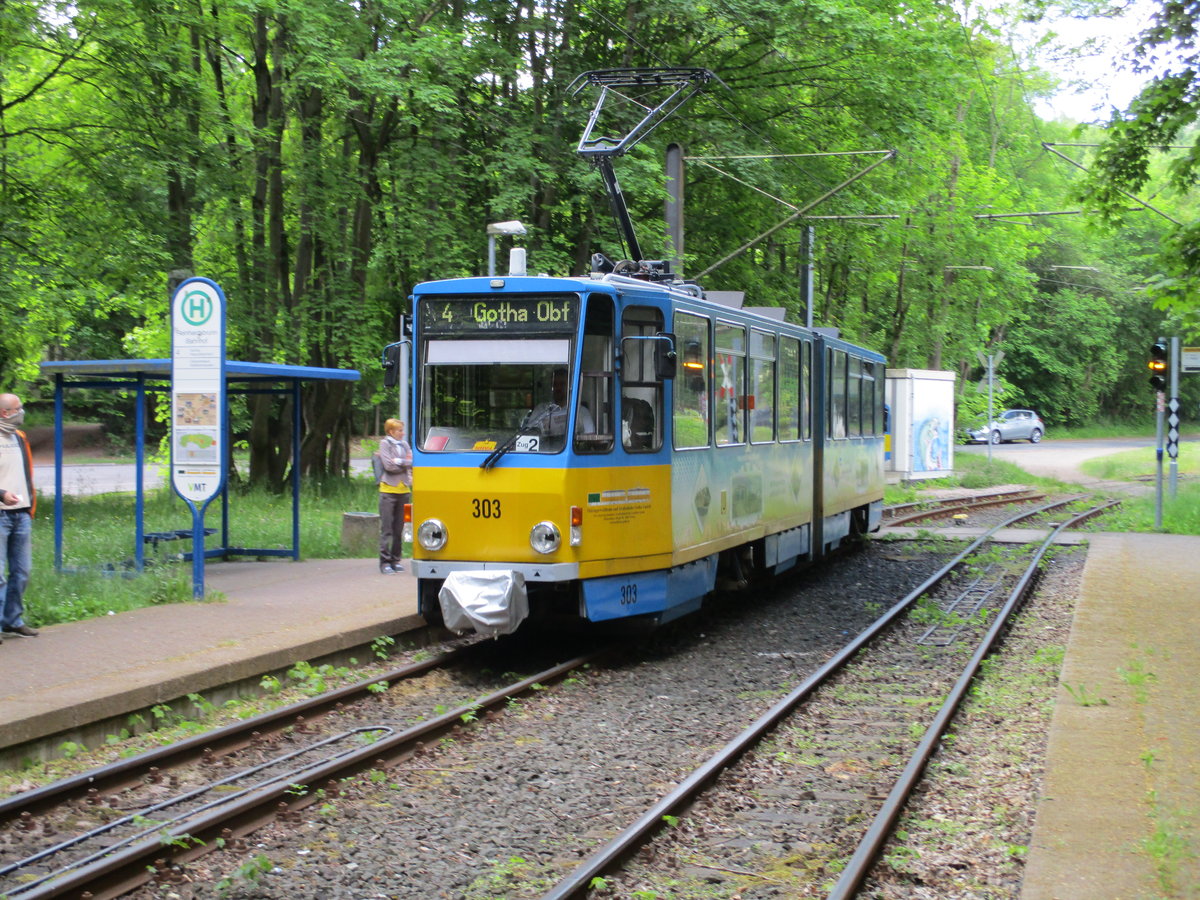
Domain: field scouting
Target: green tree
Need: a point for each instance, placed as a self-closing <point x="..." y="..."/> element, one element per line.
<point x="319" y="160"/>
<point x="1162" y="115"/>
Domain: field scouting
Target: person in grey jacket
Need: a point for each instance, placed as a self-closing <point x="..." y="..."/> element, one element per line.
<point x="395" y="492"/>
<point x="18" y="503"/>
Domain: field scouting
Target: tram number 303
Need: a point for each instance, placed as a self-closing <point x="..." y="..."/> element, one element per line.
<point x="629" y="594"/>
<point x="485" y="509"/>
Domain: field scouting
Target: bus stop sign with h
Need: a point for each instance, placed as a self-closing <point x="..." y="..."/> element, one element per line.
<point x="198" y="420"/>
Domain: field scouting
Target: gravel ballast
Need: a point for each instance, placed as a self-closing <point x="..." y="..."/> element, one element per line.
<point x="514" y="802"/>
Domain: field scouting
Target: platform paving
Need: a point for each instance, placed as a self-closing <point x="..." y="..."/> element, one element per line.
<point x="273" y="614"/>
<point x="1119" y="816"/>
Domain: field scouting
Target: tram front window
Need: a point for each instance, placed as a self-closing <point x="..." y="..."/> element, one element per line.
<point x="472" y="404"/>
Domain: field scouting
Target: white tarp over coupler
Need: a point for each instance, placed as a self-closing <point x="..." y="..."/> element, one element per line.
<point x="491" y="602"/>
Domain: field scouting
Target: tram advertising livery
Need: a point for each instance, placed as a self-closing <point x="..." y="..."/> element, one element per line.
<point x="610" y="445"/>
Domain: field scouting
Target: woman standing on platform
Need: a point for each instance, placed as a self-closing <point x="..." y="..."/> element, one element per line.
<point x="395" y="491"/>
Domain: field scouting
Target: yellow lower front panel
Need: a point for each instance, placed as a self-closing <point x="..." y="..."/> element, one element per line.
<point x="488" y="515"/>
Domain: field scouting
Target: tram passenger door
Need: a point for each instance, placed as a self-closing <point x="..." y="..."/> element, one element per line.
<point x="594" y="411"/>
<point x="641" y="388"/>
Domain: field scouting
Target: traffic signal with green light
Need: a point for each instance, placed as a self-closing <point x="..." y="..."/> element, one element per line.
<point x="1158" y="365"/>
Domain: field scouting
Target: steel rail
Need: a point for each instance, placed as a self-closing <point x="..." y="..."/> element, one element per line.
<point x="903" y="508"/>
<point x="881" y="828"/>
<point x="291" y="777"/>
<point x="966" y="505"/>
<point x="577" y="882"/>
<point x="122" y="773"/>
<point x="128" y="868"/>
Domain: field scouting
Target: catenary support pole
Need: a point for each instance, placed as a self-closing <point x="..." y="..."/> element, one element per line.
<point x="806" y="272"/>
<point x="673" y="206"/>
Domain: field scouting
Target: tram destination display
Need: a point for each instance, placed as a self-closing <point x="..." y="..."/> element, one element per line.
<point x="524" y="313"/>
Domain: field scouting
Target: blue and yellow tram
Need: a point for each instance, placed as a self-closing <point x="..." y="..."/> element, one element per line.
<point x="606" y="447"/>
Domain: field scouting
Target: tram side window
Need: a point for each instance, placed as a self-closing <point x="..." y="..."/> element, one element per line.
<point x="870" y="397"/>
<point x="806" y="389"/>
<point x="790" y="394"/>
<point x="854" y="395"/>
<point x="691" y="416"/>
<point x="761" y="402"/>
<point x="641" y="391"/>
<point x="729" y="415"/>
<point x="594" y="409"/>
<point x="836" y="427"/>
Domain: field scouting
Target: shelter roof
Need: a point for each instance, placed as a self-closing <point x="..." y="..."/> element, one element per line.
<point x="234" y="370"/>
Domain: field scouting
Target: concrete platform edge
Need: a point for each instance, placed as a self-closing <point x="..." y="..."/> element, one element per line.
<point x="80" y="677"/>
<point x="1119" y="815"/>
<point x="47" y="723"/>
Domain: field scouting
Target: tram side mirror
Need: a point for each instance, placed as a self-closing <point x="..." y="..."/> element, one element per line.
<point x="665" y="357"/>
<point x="391" y="364"/>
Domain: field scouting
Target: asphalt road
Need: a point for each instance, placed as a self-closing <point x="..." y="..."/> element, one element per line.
<point x="1061" y="459"/>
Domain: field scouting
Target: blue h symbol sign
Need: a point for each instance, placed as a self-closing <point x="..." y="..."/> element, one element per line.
<point x="196" y="307"/>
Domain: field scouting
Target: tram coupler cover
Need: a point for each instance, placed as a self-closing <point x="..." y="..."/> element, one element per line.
<point x="490" y="602"/>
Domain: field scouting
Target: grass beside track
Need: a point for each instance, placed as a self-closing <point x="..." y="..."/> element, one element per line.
<point x="1181" y="514"/>
<point x="975" y="473"/>
<point x="98" y="544"/>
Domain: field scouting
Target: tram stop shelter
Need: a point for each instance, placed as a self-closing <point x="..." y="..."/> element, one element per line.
<point x="143" y="377"/>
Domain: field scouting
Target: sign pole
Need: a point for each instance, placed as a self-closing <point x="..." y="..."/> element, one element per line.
<point x="990" y="362"/>
<point x="991" y="415"/>
<point x="198" y="421"/>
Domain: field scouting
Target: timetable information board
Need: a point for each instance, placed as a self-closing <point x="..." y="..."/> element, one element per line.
<point x="1189" y="359"/>
<point x="197" y="390"/>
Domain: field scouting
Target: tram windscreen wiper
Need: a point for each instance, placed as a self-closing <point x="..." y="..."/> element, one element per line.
<point x="494" y="456"/>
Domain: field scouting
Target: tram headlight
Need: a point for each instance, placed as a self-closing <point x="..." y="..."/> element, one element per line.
<point x="432" y="534"/>
<point x="544" y="537"/>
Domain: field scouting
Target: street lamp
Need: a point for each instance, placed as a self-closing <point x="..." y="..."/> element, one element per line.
<point x="513" y="227"/>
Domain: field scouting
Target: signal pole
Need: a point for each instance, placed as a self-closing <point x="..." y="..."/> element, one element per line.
<point x="1158" y="462"/>
<point x="1158" y="365"/>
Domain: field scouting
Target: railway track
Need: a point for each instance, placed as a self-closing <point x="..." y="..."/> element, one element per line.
<point x="1004" y="583"/>
<point x="906" y="513"/>
<point x="104" y="832"/>
<point x="165" y="848"/>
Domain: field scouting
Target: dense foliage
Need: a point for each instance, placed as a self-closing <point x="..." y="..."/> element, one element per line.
<point x="1154" y="147"/>
<point x="319" y="158"/>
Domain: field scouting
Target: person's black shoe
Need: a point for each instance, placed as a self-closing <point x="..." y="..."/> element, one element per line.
<point x="23" y="631"/>
<point x="385" y="569"/>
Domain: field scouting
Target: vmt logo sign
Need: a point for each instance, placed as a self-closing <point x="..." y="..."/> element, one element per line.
<point x="196" y="307"/>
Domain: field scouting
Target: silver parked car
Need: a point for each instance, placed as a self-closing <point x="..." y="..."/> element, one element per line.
<point x="1011" y="425"/>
